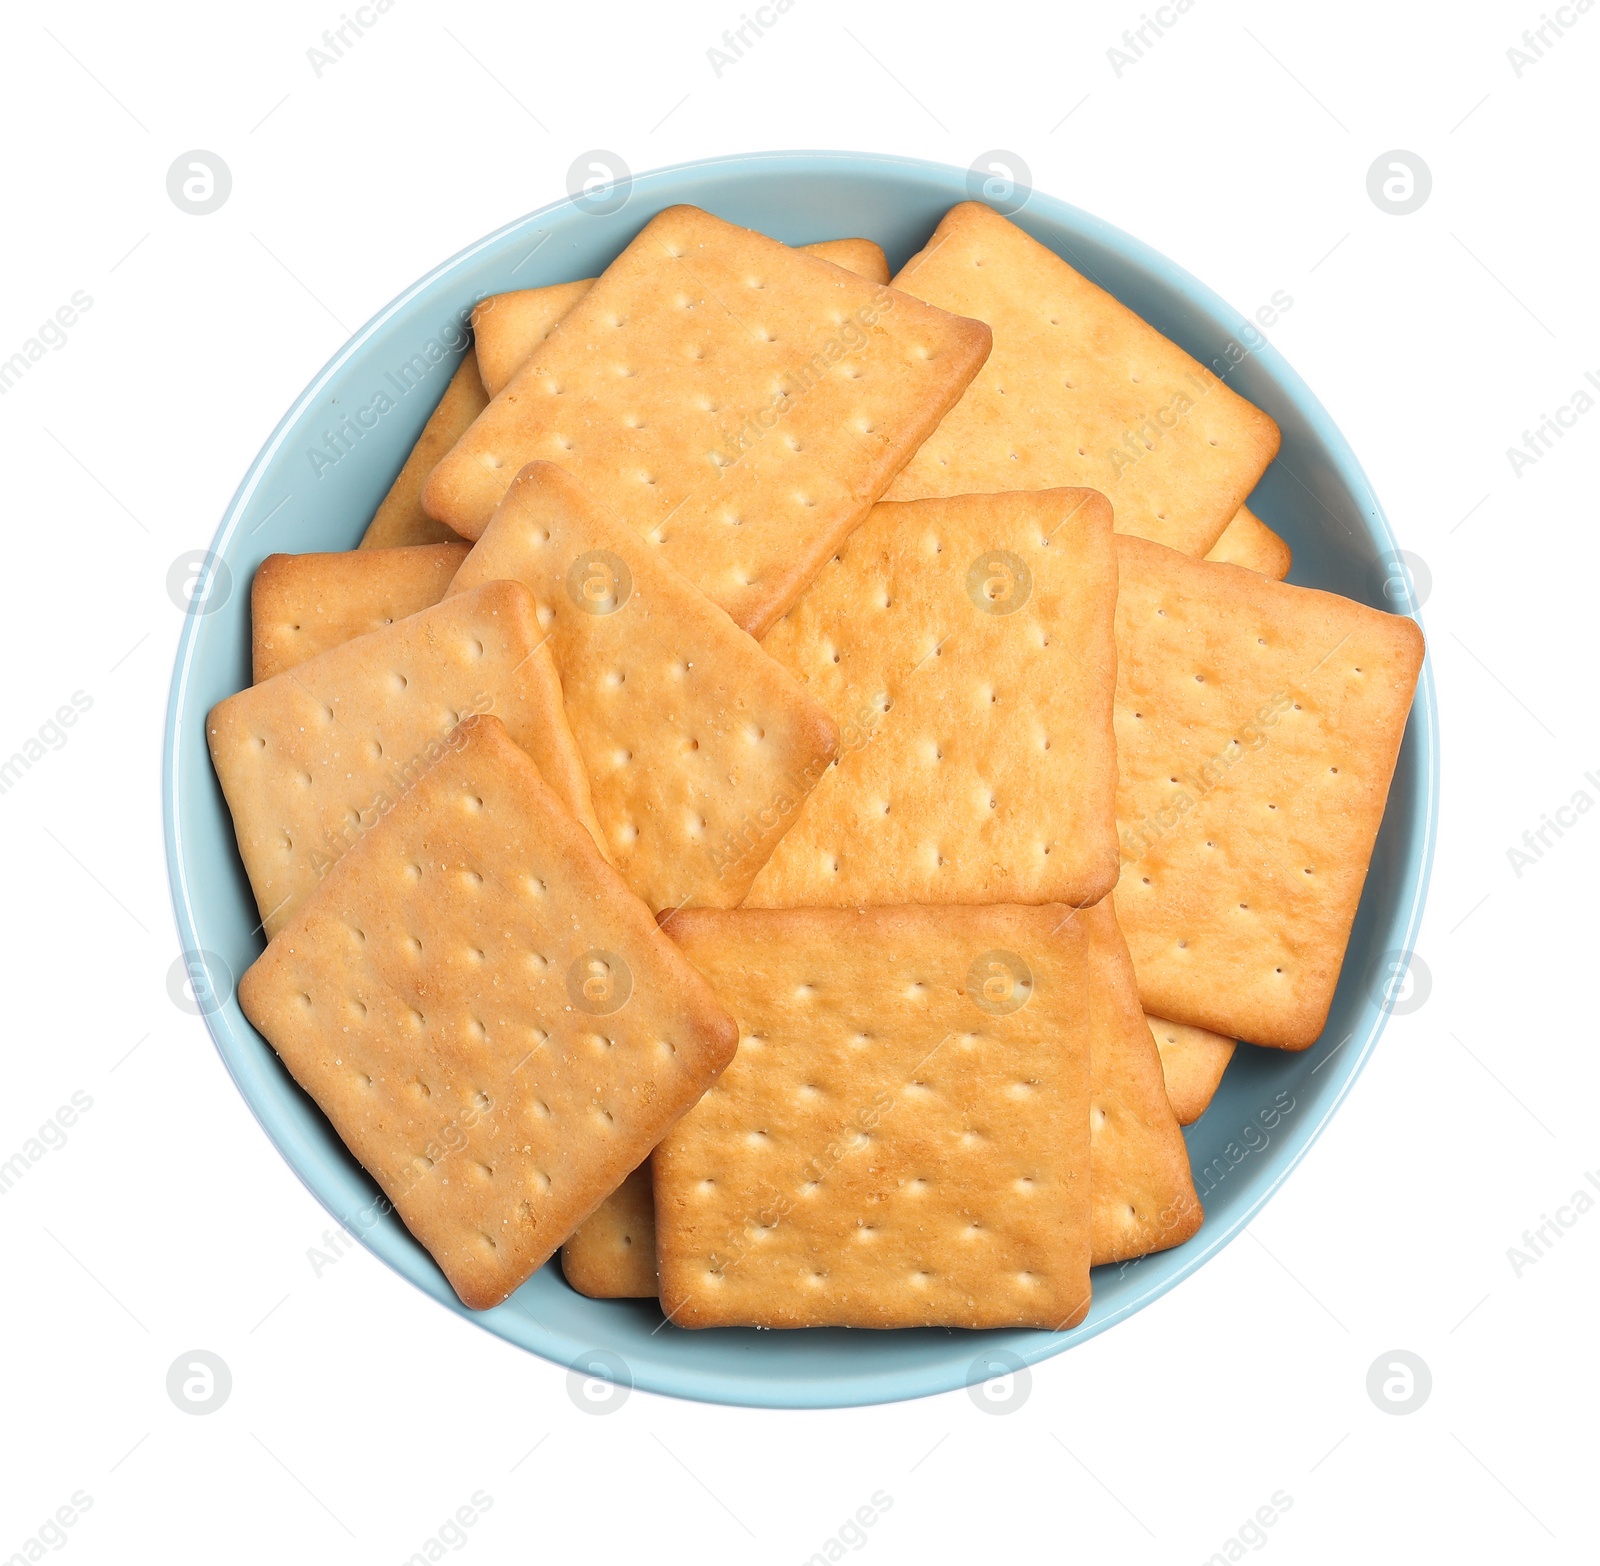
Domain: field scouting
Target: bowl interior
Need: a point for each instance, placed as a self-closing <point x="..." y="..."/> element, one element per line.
<point x="362" y="414"/>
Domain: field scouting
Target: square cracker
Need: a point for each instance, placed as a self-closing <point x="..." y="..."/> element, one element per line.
<point x="902" y="1139"/>
<point x="1258" y="726"/>
<point x="301" y="605"/>
<point x="400" y="519"/>
<point x="1192" y="1062"/>
<point x="311" y="758"/>
<point x="1142" y="1196"/>
<point x="611" y="1255"/>
<point x="965" y="648"/>
<point x="1078" y="390"/>
<point x="508" y="327"/>
<point x="738" y="402"/>
<point x="490" y="1019"/>
<point x="1247" y="541"/>
<point x="1141" y="1193"/>
<point x="698" y="746"/>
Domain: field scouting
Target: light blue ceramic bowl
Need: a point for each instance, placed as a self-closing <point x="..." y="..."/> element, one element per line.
<point x="1271" y="1105"/>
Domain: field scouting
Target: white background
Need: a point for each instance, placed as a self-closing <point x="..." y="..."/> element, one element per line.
<point x="361" y="1414"/>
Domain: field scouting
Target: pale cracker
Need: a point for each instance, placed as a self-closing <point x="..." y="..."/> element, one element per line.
<point x="1247" y="541"/>
<point x="491" y="1020"/>
<point x="1258" y="726"/>
<point x="902" y="1139"/>
<point x="1141" y="1192"/>
<point x="699" y="747"/>
<point x="400" y="519"/>
<point x="301" y="605"/>
<point x="1192" y="1062"/>
<point x="507" y="327"/>
<point x="965" y="648"/>
<point x="740" y="403"/>
<point x="1078" y="390"/>
<point x="611" y="1255"/>
<point x="310" y="759"/>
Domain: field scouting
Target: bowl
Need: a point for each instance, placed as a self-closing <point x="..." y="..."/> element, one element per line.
<point x="1271" y="1105"/>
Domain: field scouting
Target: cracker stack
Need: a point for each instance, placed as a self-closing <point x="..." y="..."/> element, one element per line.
<point x="803" y="785"/>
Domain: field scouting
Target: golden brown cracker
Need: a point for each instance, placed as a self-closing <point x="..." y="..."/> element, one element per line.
<point x="312" y="758"/>
<point x="1141" y="1192"/>
<point x="1078" y="391"/>
<point x="611" y="1255"/>
<point x="491" y="1020"/>
<point x="1258" y="726"/>
<point x="902" y="1139"/>
<point x="301" y="605"/>
<point x="508" y="327"/>
<point x="400" y="519"/>
<point x="965" y="648"/>
<point x="699" y="747"/>
<point x="738" y="402"/>
<point x="1192" y="1063"/>
<point x="1247" y="541"/>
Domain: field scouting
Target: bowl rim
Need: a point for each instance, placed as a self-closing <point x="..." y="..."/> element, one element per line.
<point x="731" y="1385"/>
